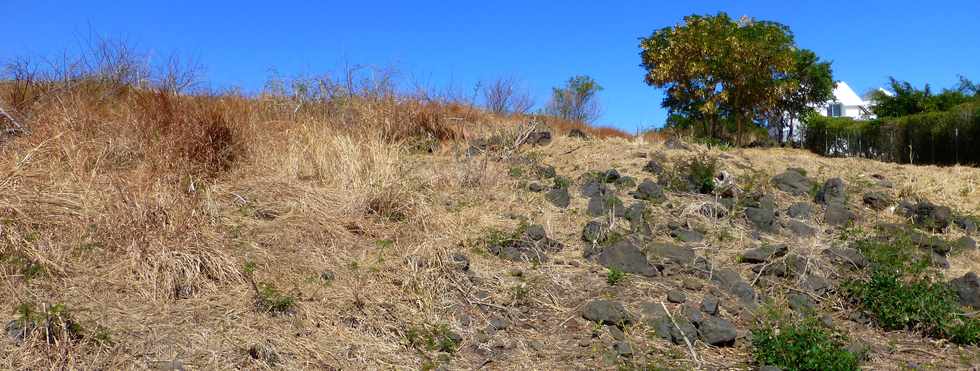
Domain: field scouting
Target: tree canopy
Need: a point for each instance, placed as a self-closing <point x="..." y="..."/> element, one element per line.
<point x="906" y="100"/>
<point x="719" y="72"/>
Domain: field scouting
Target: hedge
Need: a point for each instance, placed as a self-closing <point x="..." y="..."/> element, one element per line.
<point x="942" y="138"/>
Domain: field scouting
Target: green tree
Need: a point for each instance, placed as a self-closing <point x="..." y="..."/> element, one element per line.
<point x="809" y="83"/>
<point x="906" y="100"/>
<point x="716" y="70"/>
<point x="576" y="100"/>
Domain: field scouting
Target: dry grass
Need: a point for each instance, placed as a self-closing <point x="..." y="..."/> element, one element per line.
<point x="147" y="214"/>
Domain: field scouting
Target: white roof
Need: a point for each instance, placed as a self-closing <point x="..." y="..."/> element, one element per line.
<point x="846" y="96"/>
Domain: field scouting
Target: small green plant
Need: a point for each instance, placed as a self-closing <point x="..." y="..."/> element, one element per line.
<point x="432" y="338"/>
<point x="270" y="299"/>
<point x="562" y="182"/>
<point x="26" y="267"/>
<point x="696" y="174"/>
<point x="902" y="292"/>
<point x="516" y="172"/>
<point x="801" y="345"/>
<point x="53" y="323"/>
<point x="614" y="276"/>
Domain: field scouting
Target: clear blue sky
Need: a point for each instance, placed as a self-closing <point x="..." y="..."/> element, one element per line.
<point x="438" y="43"/>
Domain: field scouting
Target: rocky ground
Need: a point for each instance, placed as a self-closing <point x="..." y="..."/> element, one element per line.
<point x="568" y="253"/>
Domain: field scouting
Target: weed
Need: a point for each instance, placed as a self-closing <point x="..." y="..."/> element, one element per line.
<point x="26" y="267"/>
<point x="615" y="276"/>
<point x="54" y="323"/>
<point x="432" y="338"/>
<point x="901" y="292"/>
<point x="801" y="345"/>
<point x="270" y="299"/>
<point x="562" y="182"/>
<point x="696" y="174"/>
<point x="516" y="172"/>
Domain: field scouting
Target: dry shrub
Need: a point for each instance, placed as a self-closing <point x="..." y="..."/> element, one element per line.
<point x="197" y="133"/>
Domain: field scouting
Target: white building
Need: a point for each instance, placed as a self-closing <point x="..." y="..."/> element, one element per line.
<point x="846" y="103"/>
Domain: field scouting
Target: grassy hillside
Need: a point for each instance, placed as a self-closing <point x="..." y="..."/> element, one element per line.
<point x="147" y="229"/>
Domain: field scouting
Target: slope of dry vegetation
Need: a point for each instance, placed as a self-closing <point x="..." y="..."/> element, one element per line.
<point x="354" y="228"/>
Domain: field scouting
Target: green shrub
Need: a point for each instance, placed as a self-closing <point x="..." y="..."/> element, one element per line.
<point x="931" y="138"/>
<point x="432" y="338"/>
<point x="270" y="299"/>
<point x="614" y="276"/>
<point x="802" y="345"/>
<point x="696" y="174"/>
<point x="902" y="292"/>
<point x="53" y="323"/>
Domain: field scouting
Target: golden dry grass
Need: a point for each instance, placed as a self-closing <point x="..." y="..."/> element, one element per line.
<point x="150" y="213"/>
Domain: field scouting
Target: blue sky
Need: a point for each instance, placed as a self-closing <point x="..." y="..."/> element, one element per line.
<point x="446" y="43"/>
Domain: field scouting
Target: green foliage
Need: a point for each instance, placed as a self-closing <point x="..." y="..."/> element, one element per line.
<point x="562" y="182"/>
<point x="906" y="100"/>
<point x="902" y="292"/>
<point x="940" y="137"/>
<point x="576" y="101"/>
<point x="614" y="276"/>
<point x="26" y="267"/>
<point x="53" y="323"/>
<point x="801" y="345"/>
<point x="696" y="174"/>
<point x="270" y="299"/>
<point x="432" y="338"/>
<point x="745" y="71"/>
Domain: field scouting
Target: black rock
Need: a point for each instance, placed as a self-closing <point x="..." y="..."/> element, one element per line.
<point x="594" y="188"/>
<point x="709" y="305"/>
<point x="668" y="254"/>
<point x="967" y="224"/>
<point x="604" y="205"/>
<point x="626" y="257"/>
<point x="693" y="314"/>
<point x="625" y="182"/>
<point x="801" y="303"/>
<point x="800" y="210"/>
<point x="763" y="219"/>
<point x="595" y="232"/>
<point x="676" y="296"/>
<point x="832" y="193"/>
<point x="606" y="312"/>
<point x="967" y="289"/>
<point x="731" y="281"/>
<point x="610" y="176"/>
<point x="931" y="216"/>
<point x="559" y="197"/>
<point x="764" y="253"/>
<point x="539" y="138"/>
<point x="966" y="243"/>
<point x="687" y="235"/>
<point x="615" y="332"/>
<point x="684" y="329"/>
<point x="649" y="191"/>
<point x="623" y="349"/>
<point x="654" y="167"/>
<point x="793" y="182"/>
<point x="536" y="232"/>
<point x="838" y="215"/>
<point x="877" y="200"/>
<point x="717" y="332"/>
<point x="535" y="187"/>
<point x="526" y="249"/>
<point x="816" y="284"/>
<point x="800" y="229"/>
